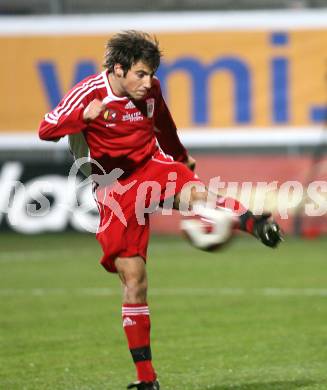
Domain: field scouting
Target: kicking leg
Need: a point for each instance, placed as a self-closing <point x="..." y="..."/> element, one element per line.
<point x="261" y="226"/>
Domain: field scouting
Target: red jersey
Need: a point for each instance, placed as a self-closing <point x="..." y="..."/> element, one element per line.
<point x="125" y="134"/>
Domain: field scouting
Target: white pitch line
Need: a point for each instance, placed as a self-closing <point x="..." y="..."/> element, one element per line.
<point x="44" y="254"/>
<point x="322" y="292"/>
<point x="33" y="255"/>
<point x="104" y="291"/>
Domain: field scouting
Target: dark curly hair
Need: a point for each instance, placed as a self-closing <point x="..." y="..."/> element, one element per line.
<point x="129" y="47"/>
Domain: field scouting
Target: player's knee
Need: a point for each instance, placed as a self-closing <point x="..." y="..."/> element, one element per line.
<point x="197" y="196"/>
<point x="133" y="275"/>
<point x="190" y="195"/>
<point x="135" y="290"/>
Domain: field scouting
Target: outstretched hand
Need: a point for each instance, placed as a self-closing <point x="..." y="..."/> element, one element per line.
<point x="267" y="230"/>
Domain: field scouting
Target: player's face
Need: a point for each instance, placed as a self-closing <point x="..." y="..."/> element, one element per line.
<point x="137" y="81"/>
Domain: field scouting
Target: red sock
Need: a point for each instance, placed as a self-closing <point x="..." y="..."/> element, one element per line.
<point x="136" y="323"/>
<point x="246" y="221"/>
<point x="232" y="204"/>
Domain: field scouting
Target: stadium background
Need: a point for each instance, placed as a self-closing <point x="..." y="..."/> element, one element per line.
<point x="247" y="90"/>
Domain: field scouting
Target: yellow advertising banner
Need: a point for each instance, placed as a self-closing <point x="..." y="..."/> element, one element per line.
<point x="211" y="79"/>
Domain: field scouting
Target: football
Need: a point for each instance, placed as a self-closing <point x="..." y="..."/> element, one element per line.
<point x="209" y="229"/>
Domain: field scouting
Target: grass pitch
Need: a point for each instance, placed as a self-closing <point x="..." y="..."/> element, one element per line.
<point x="245" y="318"/>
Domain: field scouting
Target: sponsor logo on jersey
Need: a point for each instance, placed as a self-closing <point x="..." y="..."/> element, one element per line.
<point x="109" y="115"/>
<point x="133" y="117"/>
<point x="150" y="107"/>
<point x="130" y="105"/>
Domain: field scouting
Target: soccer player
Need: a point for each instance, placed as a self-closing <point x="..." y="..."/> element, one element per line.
<point x="120" y="118"/>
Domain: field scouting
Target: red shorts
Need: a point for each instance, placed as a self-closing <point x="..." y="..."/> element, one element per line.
<point x="124" y="206"/>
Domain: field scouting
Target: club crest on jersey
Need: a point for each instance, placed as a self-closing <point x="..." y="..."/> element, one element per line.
<point x="109" y="115"/>
<point x="150" y="107"/>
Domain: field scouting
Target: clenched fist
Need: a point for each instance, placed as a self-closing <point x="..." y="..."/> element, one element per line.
<point x="93" y="110"/>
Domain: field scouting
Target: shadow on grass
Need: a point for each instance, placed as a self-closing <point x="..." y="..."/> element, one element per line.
<point x="276" y="385"/>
